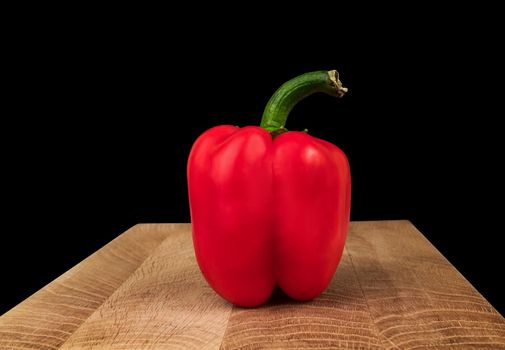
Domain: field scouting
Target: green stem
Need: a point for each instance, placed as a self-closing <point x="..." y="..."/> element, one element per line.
<point x="293" y="91"/>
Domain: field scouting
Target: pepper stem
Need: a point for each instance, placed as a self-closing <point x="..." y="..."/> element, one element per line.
<point x="293" y="91"/>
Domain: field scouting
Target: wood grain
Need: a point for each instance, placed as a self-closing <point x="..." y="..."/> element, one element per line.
<point x="417" y="299"/>
<point x="47" y="318"/>
<point x="164" y="304"/>
<point x="393" y="290"/>
<point x="338" y="319"/>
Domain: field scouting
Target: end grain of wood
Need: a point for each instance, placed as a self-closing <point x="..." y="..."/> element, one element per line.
<point x="392" y="290"/>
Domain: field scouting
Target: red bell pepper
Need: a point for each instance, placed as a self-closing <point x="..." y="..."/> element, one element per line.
<point x="270" y="207"/>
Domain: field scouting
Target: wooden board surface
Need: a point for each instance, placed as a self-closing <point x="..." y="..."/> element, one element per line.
<point x="392" y="290"/>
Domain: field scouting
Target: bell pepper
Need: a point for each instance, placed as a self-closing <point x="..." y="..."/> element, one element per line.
<point x="270" y="207"/>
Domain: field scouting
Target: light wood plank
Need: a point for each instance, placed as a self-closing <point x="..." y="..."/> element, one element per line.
<point x="338" y="319"/>
<point x="393" y="290"/>
<point x="47" y="318"/>
<point x="165" y="304"/>
<point x="417" y="299"/>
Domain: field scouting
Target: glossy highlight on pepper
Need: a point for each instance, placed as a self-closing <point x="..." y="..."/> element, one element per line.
<point x="270" y="207"/>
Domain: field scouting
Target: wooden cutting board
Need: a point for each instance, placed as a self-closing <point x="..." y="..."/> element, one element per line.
<point x="392" y="290"/>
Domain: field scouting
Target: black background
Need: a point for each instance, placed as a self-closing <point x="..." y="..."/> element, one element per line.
<point x="105" y="114"/>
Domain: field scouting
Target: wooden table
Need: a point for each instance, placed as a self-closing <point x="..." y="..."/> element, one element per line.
<point x="392" y="290"/>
